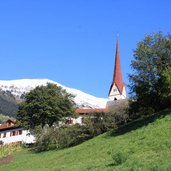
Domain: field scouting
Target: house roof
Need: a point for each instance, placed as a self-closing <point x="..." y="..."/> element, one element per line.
<point x="9" y="121"/>
<point x="9" y="124"/>
<point x="87" y="111"/>
<point x="117" y="75"/>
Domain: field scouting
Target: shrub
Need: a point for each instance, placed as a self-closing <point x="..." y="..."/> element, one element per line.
<point x="56" y="137"/>
<point x="50" y="138"/>
<point x="119" y="157"/>
<point x="121" y="113"/>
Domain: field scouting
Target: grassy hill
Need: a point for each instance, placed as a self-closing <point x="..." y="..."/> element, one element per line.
<point x="141" y="146"/>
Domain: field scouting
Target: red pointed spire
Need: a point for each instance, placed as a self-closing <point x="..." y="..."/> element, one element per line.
<point x="117" y="75"/>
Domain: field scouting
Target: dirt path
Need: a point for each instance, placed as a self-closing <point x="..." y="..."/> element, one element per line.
<point x="6" y="160"/>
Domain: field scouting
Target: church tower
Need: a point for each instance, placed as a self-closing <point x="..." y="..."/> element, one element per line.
<point x="117" y="89"/>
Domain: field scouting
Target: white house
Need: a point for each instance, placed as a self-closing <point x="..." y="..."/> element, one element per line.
<point x="11" y="133"/>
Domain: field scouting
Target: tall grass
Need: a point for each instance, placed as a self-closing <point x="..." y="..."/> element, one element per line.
<point x="9" y="149"/>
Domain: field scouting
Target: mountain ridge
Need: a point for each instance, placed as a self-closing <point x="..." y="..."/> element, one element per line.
<point x="21" y="86"/>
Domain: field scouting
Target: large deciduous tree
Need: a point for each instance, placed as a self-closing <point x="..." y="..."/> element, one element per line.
<point x="150" y="78"/>
<point x="45" y="105"/>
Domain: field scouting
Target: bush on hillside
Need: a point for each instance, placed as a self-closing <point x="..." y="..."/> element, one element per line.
<point x="49" y="138"/>
<point x="121" y="113"/>
<point x="119" y="157"/>
<point x="98" y="123"/>
<point x="56" y="137"/>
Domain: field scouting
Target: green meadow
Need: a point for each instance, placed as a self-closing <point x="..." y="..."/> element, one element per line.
<point x="144" y="145"/>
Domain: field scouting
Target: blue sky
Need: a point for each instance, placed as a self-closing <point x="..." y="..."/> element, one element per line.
<point x="73" y="42"/>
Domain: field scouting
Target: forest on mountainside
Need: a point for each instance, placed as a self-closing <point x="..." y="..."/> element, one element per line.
<point x="8" y="104"/>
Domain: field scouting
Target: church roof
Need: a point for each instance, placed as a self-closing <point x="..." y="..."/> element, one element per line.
<point x="117" y="75"/>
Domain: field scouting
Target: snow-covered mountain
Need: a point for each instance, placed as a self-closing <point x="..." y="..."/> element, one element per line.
<point x="19" y="87"/>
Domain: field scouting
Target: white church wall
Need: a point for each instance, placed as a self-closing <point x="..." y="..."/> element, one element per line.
<point x="115" y="94"/>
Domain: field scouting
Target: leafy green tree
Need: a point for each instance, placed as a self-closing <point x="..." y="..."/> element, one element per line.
<point x="45" y="105"/>
<point x="167" y="88"/>
<point x="151" y="58"/>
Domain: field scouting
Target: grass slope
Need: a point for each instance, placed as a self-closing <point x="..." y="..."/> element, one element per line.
<point x="147" y="147"/>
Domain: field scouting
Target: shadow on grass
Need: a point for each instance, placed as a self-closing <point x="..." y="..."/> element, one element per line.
<point x="139" y="123"/>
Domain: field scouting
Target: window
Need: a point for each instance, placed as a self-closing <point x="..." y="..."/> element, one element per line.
<point x="69" y="121"/>
<point x="115" y="90"/>
<point x="5" y="134"/>
<point x="13" y="133"/>
<point x="20" y="132"/>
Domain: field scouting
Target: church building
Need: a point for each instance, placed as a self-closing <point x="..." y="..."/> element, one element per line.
<point x="117" y="89"/>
